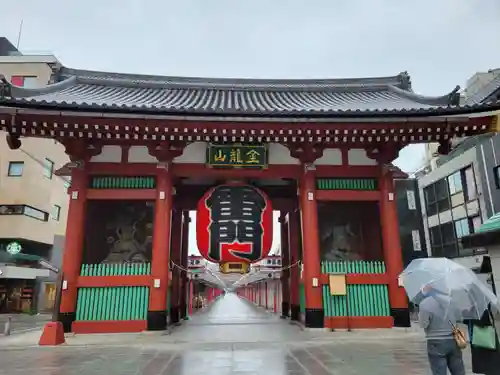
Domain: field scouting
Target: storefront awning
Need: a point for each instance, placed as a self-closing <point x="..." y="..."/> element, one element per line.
<point x="5" y="257"/>
<point x="16" y="272"/>
<point x="487" y="235"/>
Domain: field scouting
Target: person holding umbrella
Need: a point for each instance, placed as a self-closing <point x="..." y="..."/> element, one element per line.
<point x="439" y="326"/>
<point x="447" y="293"/>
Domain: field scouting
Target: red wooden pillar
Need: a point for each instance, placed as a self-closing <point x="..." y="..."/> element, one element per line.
<point x="293" y="221"/>
<point x="73" y="247"/>
<point x="175" y="253"/>
<point x="285" y="263"/>
<point x="184" y="263"/>
<point x="157" y="311"/>
<point x="314" y="313"/>
<point x="393" y="256"/>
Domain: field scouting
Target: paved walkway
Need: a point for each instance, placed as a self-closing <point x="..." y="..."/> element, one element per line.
<point x="231" y="337"/>
<point x="24" y="322"/>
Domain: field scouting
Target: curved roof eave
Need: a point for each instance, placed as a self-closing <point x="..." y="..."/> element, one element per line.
<point x="450" y="99"/>
<point x="401" y="80"/>
<point x="450" y="111"/>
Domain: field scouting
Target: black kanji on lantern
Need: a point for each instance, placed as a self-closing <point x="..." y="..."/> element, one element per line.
<point x="235" y="214"/>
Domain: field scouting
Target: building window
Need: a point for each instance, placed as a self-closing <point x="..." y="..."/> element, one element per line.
<point x="437" y="197"/>
<point x="455" y="183"/>
<point x="436" y="241"/>
<point x="28" y="82"/>
<point x="22" y="209"/>
<point x="462" y="228"/>
<point x="442" y="195"/>
<point x="430" y="200"/>
<point x="444" y="241"/>
<point x="476" y="223"/>
<point x="35" y="214"/>
<point x="48" y="168"/>
<point x="16" y="168"/>
<point x="56" y="212"/>
<point x="470" y="184"/>
<point x="450" y="249"/>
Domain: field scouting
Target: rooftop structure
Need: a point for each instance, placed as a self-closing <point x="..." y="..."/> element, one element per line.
<point x="145" y="94"/>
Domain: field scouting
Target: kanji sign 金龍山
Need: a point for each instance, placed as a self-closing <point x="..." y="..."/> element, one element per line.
<point x="249" y="156"/>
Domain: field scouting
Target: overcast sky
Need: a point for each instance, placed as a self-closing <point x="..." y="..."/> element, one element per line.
<point x="440" y="43"/>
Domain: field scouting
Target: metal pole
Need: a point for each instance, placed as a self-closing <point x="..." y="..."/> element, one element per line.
<point x="7" y="327"/>
<point x="347" y="312"/>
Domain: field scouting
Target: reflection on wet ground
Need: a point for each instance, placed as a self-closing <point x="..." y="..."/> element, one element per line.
<point x="24" y="322"/>
<point x="232" y="337"/>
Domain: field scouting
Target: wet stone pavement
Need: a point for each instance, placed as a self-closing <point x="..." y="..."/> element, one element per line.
<point x="231" y="337"/>
<point x="23" y="322"/>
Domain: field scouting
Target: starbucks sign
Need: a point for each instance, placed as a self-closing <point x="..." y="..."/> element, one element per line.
<point x="14" y="248"/>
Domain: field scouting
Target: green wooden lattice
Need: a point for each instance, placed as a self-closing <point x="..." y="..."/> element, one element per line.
<point x="361" y="300"/>
<point x="116" y="182"/>
<point x="113" y="303"/>
<point x="346" y="184"/>
<point x="358" y="267"/>
<point x="112" y="269"/>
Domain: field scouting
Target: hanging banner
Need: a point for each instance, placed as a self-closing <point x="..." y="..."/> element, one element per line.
<point x="234" y="223"/>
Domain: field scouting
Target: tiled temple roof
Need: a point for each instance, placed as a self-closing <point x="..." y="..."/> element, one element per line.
<point x="115" y="92"/>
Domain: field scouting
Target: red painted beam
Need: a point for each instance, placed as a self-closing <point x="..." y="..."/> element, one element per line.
<point x="346" y="171"/>
<point x="119" y="169"/>
<point x="292" y="171"/>
<point x="121" y="194"/>
<point x="109" y="326"/>
<point x="358" y="322"/>
<point x="352" y="279"/>
<point x="347" y="195"/>
<point x="201" y="170"/>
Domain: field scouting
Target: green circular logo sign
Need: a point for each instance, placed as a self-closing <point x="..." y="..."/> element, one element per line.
<point x="14" y="248"/>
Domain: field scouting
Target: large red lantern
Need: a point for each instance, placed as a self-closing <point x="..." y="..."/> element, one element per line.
<point x="234" y="223"/>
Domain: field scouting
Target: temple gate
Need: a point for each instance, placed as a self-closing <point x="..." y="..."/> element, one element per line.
<point x="145" y="149"/>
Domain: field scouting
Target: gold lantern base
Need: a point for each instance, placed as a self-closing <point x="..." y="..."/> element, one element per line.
<point x="234" y="267"/>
